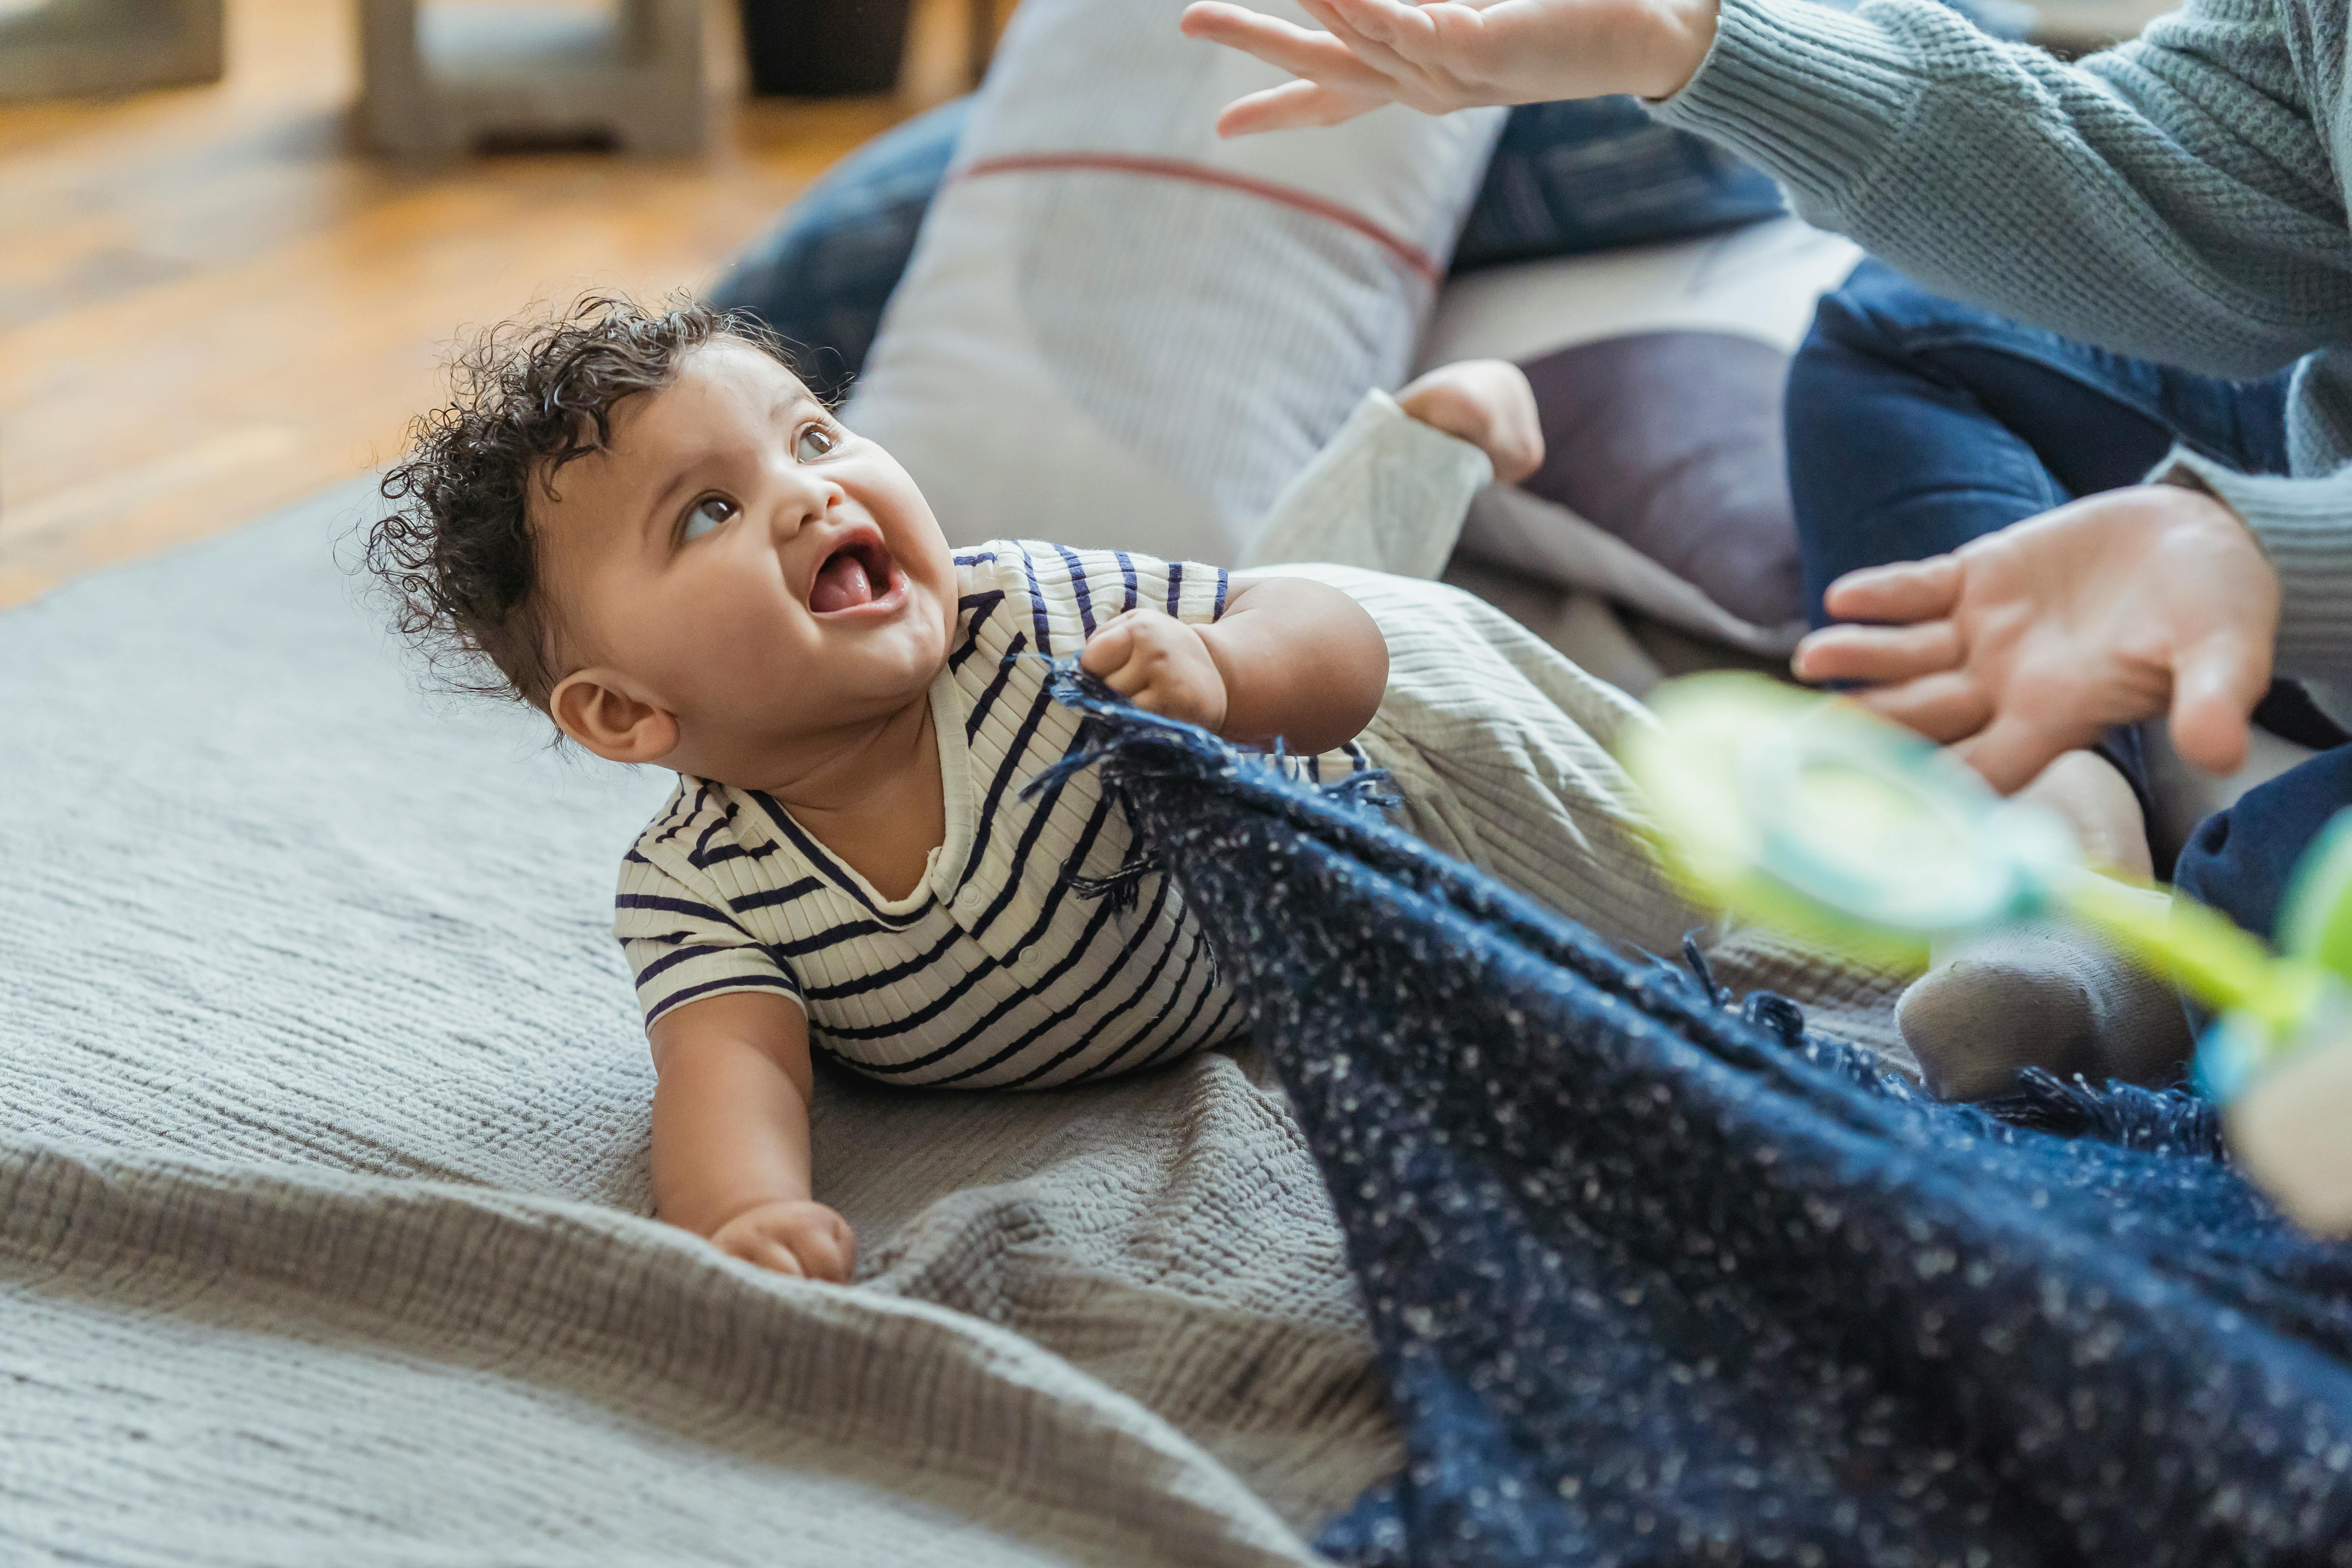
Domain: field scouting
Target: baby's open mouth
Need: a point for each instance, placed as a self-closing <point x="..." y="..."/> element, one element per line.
<point x="857" y="573"/>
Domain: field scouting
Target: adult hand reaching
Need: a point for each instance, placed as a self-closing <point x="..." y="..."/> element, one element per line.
<point x="1454" y="53"/>
<point x="2037" y="639"/>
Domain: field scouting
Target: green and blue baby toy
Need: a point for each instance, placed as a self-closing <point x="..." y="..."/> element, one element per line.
<point x="1809" y="814"/>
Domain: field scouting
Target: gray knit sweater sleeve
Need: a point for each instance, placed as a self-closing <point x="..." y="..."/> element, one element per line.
<point x="2173" y="198"/>
<point x="2169" y="199"/>
<point x="2305" y="525"/>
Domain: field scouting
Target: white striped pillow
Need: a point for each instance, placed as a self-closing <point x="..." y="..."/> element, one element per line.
<point x="1118" y="331"/>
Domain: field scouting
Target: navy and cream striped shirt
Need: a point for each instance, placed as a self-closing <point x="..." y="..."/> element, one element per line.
<point x="994" y="973"/>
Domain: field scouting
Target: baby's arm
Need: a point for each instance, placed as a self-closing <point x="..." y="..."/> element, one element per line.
<point x="1289" y="657"/>
<point x="1293" y="659"/>
<point x="730" y="1158"/>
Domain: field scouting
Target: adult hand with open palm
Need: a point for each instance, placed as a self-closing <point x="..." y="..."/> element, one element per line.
<point x="2035" y="640"/>
<point x="1454" y="53"/>
<point x="2019" y="647"/>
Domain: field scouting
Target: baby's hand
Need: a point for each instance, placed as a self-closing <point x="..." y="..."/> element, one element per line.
<point x="795" y="1236"/>
<point x="1160" y="665"/>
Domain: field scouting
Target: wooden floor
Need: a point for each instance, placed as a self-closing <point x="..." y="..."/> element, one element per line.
<point x="211" y="304"/>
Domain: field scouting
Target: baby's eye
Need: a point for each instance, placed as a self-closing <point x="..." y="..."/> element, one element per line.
<point x="706" y="514"/>
<point x="814" y="442"/>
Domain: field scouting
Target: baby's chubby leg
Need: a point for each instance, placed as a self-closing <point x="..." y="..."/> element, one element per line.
<point x="1389" y="490"/>
<point x="1487" y="403"/>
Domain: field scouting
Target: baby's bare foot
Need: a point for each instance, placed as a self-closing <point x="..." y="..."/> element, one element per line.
<point x="1487" y="403"/>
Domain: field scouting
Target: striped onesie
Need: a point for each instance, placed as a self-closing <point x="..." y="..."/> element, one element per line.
<point x="994" y="972"/>
<point x="998" y="972"/>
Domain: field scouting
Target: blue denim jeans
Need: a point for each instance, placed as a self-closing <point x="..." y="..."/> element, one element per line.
<point x="1917" y="423"/>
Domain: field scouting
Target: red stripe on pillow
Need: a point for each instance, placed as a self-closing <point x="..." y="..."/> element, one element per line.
<point x="1415" y="260"/>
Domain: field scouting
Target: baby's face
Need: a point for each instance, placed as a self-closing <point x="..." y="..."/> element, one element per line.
<point x="745" y="564"/>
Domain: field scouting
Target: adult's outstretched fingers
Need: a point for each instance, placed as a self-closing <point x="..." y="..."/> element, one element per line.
<point x="2215" y="685"/>
<point x="1317" y="56"/>
<point x="1877" y="654"/>
<point x="1377" y="53"/>
<point x="1292" y="105"/>
<point x="1390" y="22"/>
<point x="1905" y="591"/>
<point x="1946" y="707"/>
<point x="2011" y="751"/>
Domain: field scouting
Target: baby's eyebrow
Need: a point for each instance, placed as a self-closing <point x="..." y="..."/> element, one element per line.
<point x="656" y="520"/>
<point x="664" y="499"/>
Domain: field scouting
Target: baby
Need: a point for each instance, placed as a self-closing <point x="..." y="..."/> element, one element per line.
<point x="661" y="539"/>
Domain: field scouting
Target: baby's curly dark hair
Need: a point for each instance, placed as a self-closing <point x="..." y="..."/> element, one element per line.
<point x="455" y="557"/>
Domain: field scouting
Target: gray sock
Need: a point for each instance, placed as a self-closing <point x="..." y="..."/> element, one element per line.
<point x="2047" y="996"/>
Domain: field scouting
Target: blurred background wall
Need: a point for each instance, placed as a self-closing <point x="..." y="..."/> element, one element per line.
<point x="216" y="297"/>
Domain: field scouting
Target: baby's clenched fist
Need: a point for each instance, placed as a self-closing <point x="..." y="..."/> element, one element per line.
<point x="1159" y="664"/>
<point x="797" y="1236"/>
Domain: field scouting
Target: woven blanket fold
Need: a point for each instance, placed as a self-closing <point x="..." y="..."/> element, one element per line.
<point x="1657" y="1281"/>
<point x="290" y="1359"/>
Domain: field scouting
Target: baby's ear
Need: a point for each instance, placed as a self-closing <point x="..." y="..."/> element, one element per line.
<point x="596" y="707"/>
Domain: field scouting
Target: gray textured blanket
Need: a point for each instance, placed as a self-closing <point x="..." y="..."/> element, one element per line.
<point x="322" y="1130"/>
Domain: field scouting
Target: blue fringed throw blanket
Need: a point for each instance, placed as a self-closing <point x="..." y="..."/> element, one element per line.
<point x="1658" y="1281"/>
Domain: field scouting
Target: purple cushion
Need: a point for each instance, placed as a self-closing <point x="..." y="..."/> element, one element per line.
<point x="1671" y="441"/>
